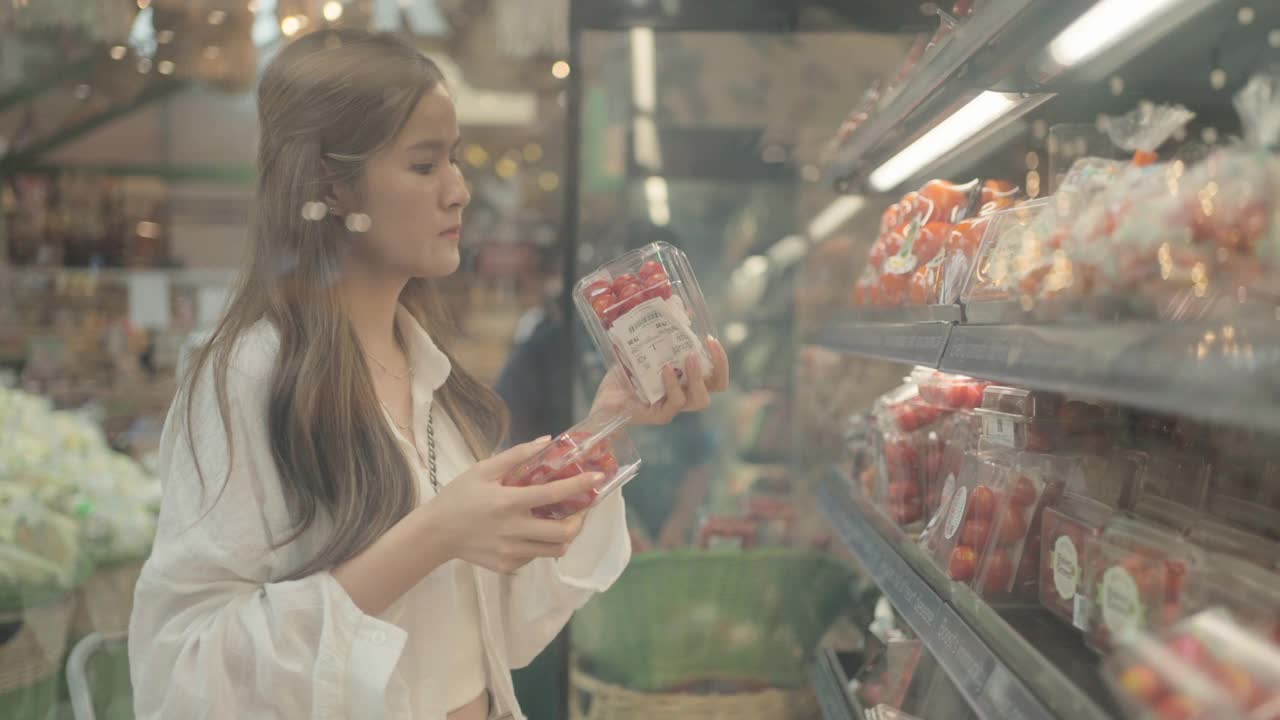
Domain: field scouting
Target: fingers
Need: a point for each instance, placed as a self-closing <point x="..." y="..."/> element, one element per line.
<point x="697" y="396"/>
<point x="500" y="463"/>
<point x="556" y="491"/>
<point x="553" y="532"/>
<point x="719" y="379"/>
<point x="675" y="399"/>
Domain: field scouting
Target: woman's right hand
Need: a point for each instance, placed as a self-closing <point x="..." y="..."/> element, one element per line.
<point x="492" y="525"/>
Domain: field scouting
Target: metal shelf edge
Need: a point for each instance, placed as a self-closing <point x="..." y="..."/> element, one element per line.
<point x="991" y="689"/>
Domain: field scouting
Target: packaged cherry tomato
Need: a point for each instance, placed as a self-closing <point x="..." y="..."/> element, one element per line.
<point x="958" y="392"/>
<point x="597" y="444"/>
<point x="905" y="410"/>
<point x="1135" y="576"/>
<point x="645" y="311"/>
<point x="1207" y="667"/>
<point x="957" y="435"/>
<point x="1068" y="526"/>
<point x="957" y="536"/>
<point x="1041" y="422"/>
<point x="1009" y="569"/>
<point x="900" y="489"/>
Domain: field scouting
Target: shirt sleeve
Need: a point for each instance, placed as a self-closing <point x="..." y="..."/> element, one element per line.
<point x="212" y="635"/>
<point x="540" y="598"/>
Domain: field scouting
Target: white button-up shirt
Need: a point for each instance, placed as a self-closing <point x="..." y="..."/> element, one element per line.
<point x="215" y="633"/>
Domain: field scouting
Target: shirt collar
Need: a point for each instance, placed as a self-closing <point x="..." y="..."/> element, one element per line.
<point x="431" y="367"/>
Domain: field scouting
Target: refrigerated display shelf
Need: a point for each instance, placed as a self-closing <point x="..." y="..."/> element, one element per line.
<point x="828" y="686"/>
<point x="887" y="126"/>
<point x="1211" y="371"/>
<point x="1008" y="664"/>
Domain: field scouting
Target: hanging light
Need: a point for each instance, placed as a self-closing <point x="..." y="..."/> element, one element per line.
<point x="332" y="10"/>
<point x="290" y="25"/>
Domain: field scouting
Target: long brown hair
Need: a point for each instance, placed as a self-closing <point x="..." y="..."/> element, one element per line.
<point x="326" y="103"/>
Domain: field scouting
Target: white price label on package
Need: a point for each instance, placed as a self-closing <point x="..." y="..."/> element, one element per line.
<point x="655" y="333"/>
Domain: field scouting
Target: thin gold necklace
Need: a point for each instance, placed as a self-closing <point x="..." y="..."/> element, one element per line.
<point x="406" y="374"/>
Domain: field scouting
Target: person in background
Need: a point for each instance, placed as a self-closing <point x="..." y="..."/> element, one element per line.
<point x="334" y="538"/>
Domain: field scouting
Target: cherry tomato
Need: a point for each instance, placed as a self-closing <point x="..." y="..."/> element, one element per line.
<point x="922" y="286"/>
<point x="1013" y="525"/>
<point x="1143" y="683"/>
<point x="891" y="217"/>
<point x="595" y="288"/>
<point x="1023" y="493"/>
<point x="982" y="503"/>
<point x="997" y="573"/>
<point x="905" y="512"/>
<point x="624" y="279"/>
<point x="651" y="267"/>
<point x="602" y="303"/>
<point x="974" y="533"/>
<point x="904" y="491"/>
<point x="962" y="563"/>
<point x="658" y="290"/>
<point x="997" y="195"/>
<point x="893" y="288"/>
<point x="932" y="237"/>
<point x="966" y="236"/>
<point x="946" y="200"/>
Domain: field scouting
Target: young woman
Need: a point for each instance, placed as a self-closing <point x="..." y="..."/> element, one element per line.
<point x="329" y="545"/>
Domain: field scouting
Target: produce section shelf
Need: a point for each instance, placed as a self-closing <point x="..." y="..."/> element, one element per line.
<point x="999" y="661"/>
<point x="1213" y="371"/>
<point x="888" y="126"/>
<point x="832" y="698"/>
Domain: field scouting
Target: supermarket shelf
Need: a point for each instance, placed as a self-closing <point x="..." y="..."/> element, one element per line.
<point x="1000" y="672"/>
<point x="832" y="698"/>
<point x="888" y="125"/>
<point x="1210" y="371"/>
<point x="919" y="343"/>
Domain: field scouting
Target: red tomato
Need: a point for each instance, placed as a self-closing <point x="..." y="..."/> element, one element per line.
<point x="1143" y="683"/>
<point x="997" y="195"/>
<point x="966" y="236"/>
<point x="893" y="288"/>
<point x="890" y="219"/>
<point x="595" y="288"/>
<point x="922" y="286"/>
<point x="660" y="289"/>
<point x="1013" y="525"/>
<point x="982" y="503"/>
<point x="905" y="512"/>
<point x="974" y="533"/>
<point x="947" y="200"/>
<point x="1023" y="493"/>
<point x="602" y="304"/>
<point x="962" y="563"/>
<point x="651" y="267"/>
<point x="655" y="277"/>
<point x="932" y="237"/>
<point x="626" y="291"/>
<point x="957" y="395"/>
<point x="624" y="279"/>
<point x="910" y="206"/>
<point x="997" y="573"/>
<point x="903" y="491"/>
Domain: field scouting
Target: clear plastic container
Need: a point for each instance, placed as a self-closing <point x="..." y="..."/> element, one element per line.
<point x="1039" y="422"/>
<point x="1068" y="526"/>
<point x="1009" y="568"/>
<point x="1250" y="592"/>
<point x="644" y="310"/>
<point x="1168" y="514"/>
<point x="958" y="392"/>
<point x="957" y="435"/>
<point x="1180" y="477"/>
<point x="1226" y="539"/>
<point x="904" y="409"/>
<point x="960" y="532"/>
<point x="1135" y="577"/>
<point x="899" y="488"/>
<point x="1111" y="478"/>
<point x="1206" y="667"/>
<point x="597" y="444"/>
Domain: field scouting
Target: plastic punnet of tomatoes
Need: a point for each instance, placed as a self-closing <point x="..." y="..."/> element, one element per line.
<point x="958" y="392"/>
<point x="644" y="311"/>
<point x="1207" y="667"/>
<point x="903" y="409"/>
<point x="957" y="537"/>
<point x="1135" y="575"/>
<point x="957" y="434"/>
<point x="1009" y="569"/>
<point x="1250" y="592"/>
<point x="597" y="444"/>
<point x="1040" y="422"/>
<point x="1067" y="527"/>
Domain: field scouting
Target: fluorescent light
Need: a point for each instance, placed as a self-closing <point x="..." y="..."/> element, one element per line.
<point x="834" y="215"/>
<point x="1109" y="22"/>
<point x="645" y="136"/>
<point x="644" y="93"/>
<point x="968" y="121"/>
<point x="655" y="192"/>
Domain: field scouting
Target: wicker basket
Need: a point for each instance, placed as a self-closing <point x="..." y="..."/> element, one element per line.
<point x="692" y="616"/>
<point x="105" y="600"/>
<point x="592" y="699"/>
<point x="30" y="661"/>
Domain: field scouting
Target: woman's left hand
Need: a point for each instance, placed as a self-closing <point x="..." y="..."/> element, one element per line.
<point x="617" y="397"/>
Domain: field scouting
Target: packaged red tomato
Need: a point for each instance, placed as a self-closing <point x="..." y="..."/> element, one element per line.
<point x="957" y="435"/>
<point x="597" y="444"/>
<point x="1068" y="526"/>
<point x="958" y="392"/>
<point x="900" y="491"/>
<point x="957" y="536"/>
<point x="1010" y="567"/>
<point x="903" y="409"/>
<point x="1207" y="667"/>
<point x="645" y="311"/>
<point x="1039" y="422"/>
<point x="1135" y="576"/>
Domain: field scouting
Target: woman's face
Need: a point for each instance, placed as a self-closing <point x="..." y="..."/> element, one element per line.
<point x="414" y="194"/>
